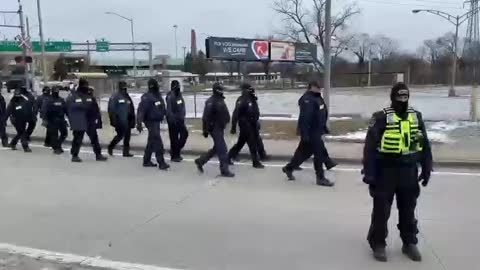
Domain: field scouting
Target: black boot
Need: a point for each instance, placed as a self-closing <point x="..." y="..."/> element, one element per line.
<point x="289" y="173"/>
<point x="199" y="165"/>
<point x="126" y="153"/>
<point x="227" y="174"/>
<point x="57" y="151"/>
<point x="5" y="143"/>
<point x="13" y="147"/>
<point x="27" y="149"/>
<point x="258" y="165"/>
<point x="110" y="150"/>
<point x="322" y="181"/>
<point x="76" y="159"/>
<point x="379" y="254"/>
<point x="101" y="157"/>
<point x="330" y="164"/>
<point x="176" y="159"/>
<point x="412" y="252"/>
<point x="163" y="166"/>
<point x="149" y="164"/>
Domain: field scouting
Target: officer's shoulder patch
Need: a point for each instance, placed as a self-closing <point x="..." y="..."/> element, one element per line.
<point x="322" y="106"/>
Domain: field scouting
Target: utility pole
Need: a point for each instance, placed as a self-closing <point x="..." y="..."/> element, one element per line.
<point x="176" y="43"/>
<point x="42" y="43"/>
<point x="23" y="42"/>
<point x="184" y="53"/>
<point x="327" y="51"/>
<point x="31" y="54"/>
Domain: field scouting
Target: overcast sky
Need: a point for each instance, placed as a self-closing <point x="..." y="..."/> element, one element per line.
<point x="81" y="20"/>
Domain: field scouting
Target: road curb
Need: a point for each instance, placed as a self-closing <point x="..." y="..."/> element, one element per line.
<point x="464" y="164"/>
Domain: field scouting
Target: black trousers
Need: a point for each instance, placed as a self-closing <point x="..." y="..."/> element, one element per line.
<point x="30" y="128"/>
<point x="250" y="135"/>
<point x="3" y="134"/>
<point x="154" y="144"/>
<point x="48" y="139"/>
<point x="400" y="182"/>
<point x="57" y="133"/>
<point x="219" y="149"/>
<point x="123" y="133"/>
<point x="22" y="135"/>
<point x="78" y="140"/>
<point x="305" y="150"/>
<point x="178" y="138"/>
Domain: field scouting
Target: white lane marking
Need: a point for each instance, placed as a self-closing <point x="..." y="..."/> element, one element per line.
<point x="272" y="165"/>
<point x="65" y="258"/>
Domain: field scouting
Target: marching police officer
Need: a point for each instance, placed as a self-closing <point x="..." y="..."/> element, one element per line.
<point x="176" y="121"/>
<point x="53" y="113"/>
<point x="151" y="112"/>
<point x="3" y="120"/>
<point x="215" y="118"/>
<point x="46" y="92"/>
<point x="247" y="115"/>
<point x="122" y="117"/>
<point x="21" y="112"/>
<point x="395" y="145"/>
<point x="84" y="117"/>
<point x="32" y="122"/>
<point x="312" y="125"/>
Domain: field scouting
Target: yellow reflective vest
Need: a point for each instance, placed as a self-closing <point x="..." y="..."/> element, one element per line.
<point x="401" y="136"/>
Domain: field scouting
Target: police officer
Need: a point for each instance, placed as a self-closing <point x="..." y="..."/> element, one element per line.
<point x="312" y="125"/>
<point x="215" y="118"/>
<point x="46" y="92"/>
<point x="53" y="112"/>
<point x="21" y="111"/>
<point x="176" y="121"/>
<point x="84" y="117"/>
<point x="151" y="112"/>
<point x="32" y="121"/>
<point x="3" y="120"/>
<point x="247" y="115"/>
<point x="396" y="144"/>
<point x="122" y="117"/>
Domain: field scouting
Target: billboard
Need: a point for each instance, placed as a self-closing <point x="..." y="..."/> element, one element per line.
<point x="305" y="52"/>
<point x="282" y="51"/>
<point x="237" y="49"/>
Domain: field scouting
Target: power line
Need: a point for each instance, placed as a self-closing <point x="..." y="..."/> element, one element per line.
<point x="410" y="5"/>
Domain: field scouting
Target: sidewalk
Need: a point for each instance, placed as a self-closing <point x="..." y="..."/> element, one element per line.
<point x="451" y="155"/>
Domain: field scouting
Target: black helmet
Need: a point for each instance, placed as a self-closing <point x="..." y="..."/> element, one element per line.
<point x="218" y="88"/>
<point x="153" y="85"/>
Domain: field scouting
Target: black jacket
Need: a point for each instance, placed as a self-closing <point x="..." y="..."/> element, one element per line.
<point x="246" y="109"/>
<point x="20" y="109"/>
<point x="175" y="108"/>
<point x="53" y="111"/>
<point x="3" y="106"/>
<point x="215" y="114"/>
<point x="40" y="100"/>
<point x="374" y="160"/>
<point x="312" y="121"/>
<point x="83" y="111"/>
<point x="151" y="109"/>
<point x="121" y="110"/>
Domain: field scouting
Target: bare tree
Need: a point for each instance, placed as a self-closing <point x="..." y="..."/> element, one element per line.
<point x="306" y="23"/>
<point x="362" y="46"/>
<point x="385" y="47"/>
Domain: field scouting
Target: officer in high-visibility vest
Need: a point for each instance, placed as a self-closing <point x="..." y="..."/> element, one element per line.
<point x="395" y="146"/>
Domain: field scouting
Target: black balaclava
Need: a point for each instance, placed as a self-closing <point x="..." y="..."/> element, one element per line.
<point x="18" y="93"/>
<point x="83" y="86"/>
<point x="248" y="89"/>
<point x="56" y="91"/>
<point x="175" y="87"/>
<point x="315" y="84"/>
<point x="399" y="97"/>
<point x="122" y="87"/>
<point x="218" y="89"/>
<point x="153" y="87"/>
<point x="23" y="90"/>
<point x="46" y="91"/>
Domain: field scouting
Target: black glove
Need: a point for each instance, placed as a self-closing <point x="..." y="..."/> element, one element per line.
<point x="367" y="179"/>
<point x="139" y="128"/>
<point x="233" y="131"/>
<point x="205" y="134"/>
<point x="424" y="177"/>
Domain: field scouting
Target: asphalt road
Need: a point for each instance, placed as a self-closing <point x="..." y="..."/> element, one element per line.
<point x="117" y="213"/>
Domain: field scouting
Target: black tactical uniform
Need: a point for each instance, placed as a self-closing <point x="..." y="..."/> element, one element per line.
<point x="176" y="121"/>
<point x="3" y="121"/>
<point x="151" y="112"/>
<point x="312" y="125"/>
<point x="84" y="117"/>
<point x="122" y="117"/>
<point x="46" y="92"/>
<point x="53" y="112"/>
<point x="395" y="145"/>
<point x="247" y="115"/>
<point x="21" y="111"/>
<point x="215" y="118"/>
<point x="32" y="121"/>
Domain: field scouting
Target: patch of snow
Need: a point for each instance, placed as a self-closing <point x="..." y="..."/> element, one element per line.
<point x="356" y="136"/>
<point x="451" y="125"/>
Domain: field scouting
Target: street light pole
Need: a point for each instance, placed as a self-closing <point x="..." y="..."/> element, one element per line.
<point x="42" y="43"/>
<point x="176" y="43"/>
<point x="457" y="21"/>
<point x="134" y="55"/>
<point x="327" y="51"/>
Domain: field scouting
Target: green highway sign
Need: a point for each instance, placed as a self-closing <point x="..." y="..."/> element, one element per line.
<point x="102" y="46"/>
<point x="50" y="46"/>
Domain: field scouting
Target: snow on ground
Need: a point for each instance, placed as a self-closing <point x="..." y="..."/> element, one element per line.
<point x="359" y="136"/>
